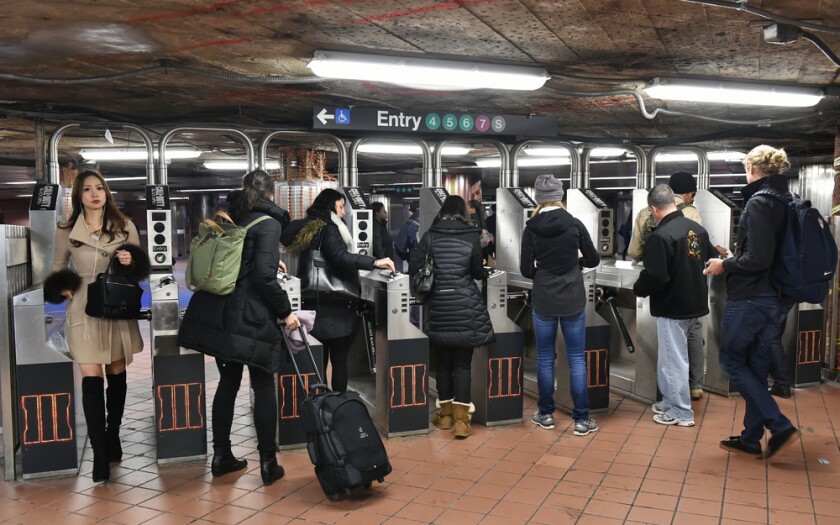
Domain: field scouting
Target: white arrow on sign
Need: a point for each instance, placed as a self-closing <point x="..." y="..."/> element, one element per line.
<point x="324" y="117"/>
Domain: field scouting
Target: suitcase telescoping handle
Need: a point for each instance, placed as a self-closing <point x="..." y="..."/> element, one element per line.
<point x="320" y="385"/>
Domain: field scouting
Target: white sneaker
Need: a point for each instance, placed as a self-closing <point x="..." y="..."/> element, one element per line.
<point x="657" y="408"/>
<point x="665" y="419"/>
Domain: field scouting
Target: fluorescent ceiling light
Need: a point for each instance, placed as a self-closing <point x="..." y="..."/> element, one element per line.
<point x="733" y="93"/>
<point x="611" y="152"/>
<point x="426" y="72"/>
<point x="726" y="156"/>
<point x="525" y="163"/>
<point x="20" y="183"/>
<point x="206" y="190"/>
<point x="548" y="151"/>
<point x="136" y="153"/>
<point x="408" y="149"/>
<point x="237" y="165"/>
<point x="120" y="179"/>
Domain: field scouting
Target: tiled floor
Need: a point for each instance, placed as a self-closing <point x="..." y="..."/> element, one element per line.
<point x="632" y="471"/>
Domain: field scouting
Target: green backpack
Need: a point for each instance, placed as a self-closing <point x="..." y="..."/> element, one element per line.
<point x="216" y="254"/>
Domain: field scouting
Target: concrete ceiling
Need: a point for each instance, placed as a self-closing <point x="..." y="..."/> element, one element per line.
<point x="164" y="64"/>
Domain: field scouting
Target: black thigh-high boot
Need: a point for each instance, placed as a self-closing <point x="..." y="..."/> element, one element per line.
<point x="115" y="403"/>
<point x="93" y="401"/>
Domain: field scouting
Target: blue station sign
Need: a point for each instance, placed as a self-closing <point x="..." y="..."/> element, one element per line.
<point x="396" y="120"/>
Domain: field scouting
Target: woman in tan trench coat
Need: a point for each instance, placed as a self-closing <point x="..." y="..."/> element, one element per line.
<point x="95" y="232"/>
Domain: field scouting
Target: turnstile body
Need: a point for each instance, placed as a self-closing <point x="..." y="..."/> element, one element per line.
<point x="631" y="373"/>
<point x="290" y="434"/>
<point x="497" y="368"/>
<point x="398" y="393"/>
<point x="47" y="390"/>
<point x="803" y="340"/>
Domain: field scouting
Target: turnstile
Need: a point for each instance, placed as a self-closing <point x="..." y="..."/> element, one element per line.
<point x="289" y="392"/>
<point x="47" y="390"/>
<point x="497" y="368"/>
<point x="398" y="392"/>
<point x="597" y="349"/>
<point x="803" y="340"/>
<point x="633" y="335"/>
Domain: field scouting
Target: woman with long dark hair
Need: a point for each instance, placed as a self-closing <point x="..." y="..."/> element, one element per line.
<point x="456" y="320"/>
<point x="241" y="328"/>
<point x="95" y="233"/>
<point x="336" y="322"/>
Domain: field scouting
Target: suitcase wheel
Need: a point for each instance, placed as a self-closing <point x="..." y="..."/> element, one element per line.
<point x="333" y="497"/>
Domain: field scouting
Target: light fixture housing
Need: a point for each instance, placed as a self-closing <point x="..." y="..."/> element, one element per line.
<point x="677" y="156"/>
<point x="426" y="73"/>
<point x="136" y="153"/>
<point x="522" y="162"/>
<point x="719" y="92"/>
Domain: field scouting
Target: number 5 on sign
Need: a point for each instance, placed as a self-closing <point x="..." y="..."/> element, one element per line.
<point x="450" y="122"/>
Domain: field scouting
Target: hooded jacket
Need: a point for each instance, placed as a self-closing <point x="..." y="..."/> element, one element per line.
<point x="549" y="255"/>
<point x="675" y="255"/>
<point x="333" y="320"/>
<point x="243" y="326"/>
<point x="759" y="230"/>
<point x="457" y="314"/>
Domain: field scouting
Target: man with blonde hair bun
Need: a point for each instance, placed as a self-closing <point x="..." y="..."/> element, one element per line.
<point x="754" y="311"/>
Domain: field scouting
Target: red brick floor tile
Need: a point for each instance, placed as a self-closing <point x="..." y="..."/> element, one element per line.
<point x="651" y="516"/>
<point x="607" y="509"/>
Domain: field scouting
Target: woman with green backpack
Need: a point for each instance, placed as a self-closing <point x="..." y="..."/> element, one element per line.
<point x="241" y="329"/>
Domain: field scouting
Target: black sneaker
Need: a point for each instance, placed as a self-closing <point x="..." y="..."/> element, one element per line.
<point x="736" y="446"/>
<point x="780" y="391"/>
<point x="781" y="441"/>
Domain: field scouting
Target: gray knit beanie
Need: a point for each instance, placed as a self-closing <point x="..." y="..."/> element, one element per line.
<point x="548" y="189"/>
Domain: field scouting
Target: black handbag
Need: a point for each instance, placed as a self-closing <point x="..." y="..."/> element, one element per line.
<point x="319" y="278"/>
<point x="113" y="296"/>
<point x="424" y="279"/>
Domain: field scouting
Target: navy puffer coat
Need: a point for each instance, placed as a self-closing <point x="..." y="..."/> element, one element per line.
<point x="244" y="326"/>
<point x="457" y="315"/>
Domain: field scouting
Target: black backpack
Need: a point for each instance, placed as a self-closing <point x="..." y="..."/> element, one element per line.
<point x="806" y="254"/>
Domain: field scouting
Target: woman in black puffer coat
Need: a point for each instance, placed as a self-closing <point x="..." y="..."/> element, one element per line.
<point x="456" y="317"/>
<point x="336" y="322"/>
<point x="241" y="328"/>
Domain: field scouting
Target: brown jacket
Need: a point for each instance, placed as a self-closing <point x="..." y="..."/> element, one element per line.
<point x="89" y="338"/>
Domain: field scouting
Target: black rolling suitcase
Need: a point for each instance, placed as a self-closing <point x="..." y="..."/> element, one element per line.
<point x="342" y="441"/>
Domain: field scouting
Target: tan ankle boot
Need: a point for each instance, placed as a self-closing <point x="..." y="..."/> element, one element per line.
<point x="443" y="418"/>
<point x="463" y="416"/>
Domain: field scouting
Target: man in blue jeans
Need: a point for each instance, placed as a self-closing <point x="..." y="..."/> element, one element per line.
<point x="754" y="311"/>
<point x="675" y="255"/>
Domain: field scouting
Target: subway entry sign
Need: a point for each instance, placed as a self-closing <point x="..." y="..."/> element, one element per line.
<point x="449" y="122"/>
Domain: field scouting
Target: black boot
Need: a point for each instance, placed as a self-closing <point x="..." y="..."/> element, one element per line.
<point x="269" y="469"/>
<point x="224" y="461"/>
<point x="115" y="401"/>
<point x="93" y="401"/>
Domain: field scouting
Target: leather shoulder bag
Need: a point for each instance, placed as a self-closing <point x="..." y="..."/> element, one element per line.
<point x="113" y="296"/>
<point x="319" y="278"/>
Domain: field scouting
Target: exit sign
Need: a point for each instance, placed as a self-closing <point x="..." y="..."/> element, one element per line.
<point x="451" y="122"/>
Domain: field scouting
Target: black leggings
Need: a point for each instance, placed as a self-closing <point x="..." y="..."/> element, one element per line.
<point x="454" y="374"/>
<point x="265" y="404"/>
<point x="337" y="350"/>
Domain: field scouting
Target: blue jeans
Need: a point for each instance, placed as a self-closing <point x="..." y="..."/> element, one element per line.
<point x="574" y="334"/>
<point x="749" y="329"/>
<point x="779" y="370"/>
<point x="672" y="366"/>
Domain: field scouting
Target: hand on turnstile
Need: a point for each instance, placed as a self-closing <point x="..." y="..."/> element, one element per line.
<point x="385" y="264"/>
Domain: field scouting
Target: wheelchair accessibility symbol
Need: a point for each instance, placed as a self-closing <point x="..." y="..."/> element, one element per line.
<point x="342" y="116"/>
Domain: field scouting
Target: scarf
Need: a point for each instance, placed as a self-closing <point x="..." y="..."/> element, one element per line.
<point x="345" y="233"/>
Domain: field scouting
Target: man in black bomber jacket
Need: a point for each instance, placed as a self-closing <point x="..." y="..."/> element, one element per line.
<point x="674" y="259"/>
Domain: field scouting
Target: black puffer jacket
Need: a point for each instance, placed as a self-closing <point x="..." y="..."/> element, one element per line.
<point x="748" y="272"/>
<point x="457" y="315"/>
<point x="333" y="320"/>
<point x="243" y="326"/>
